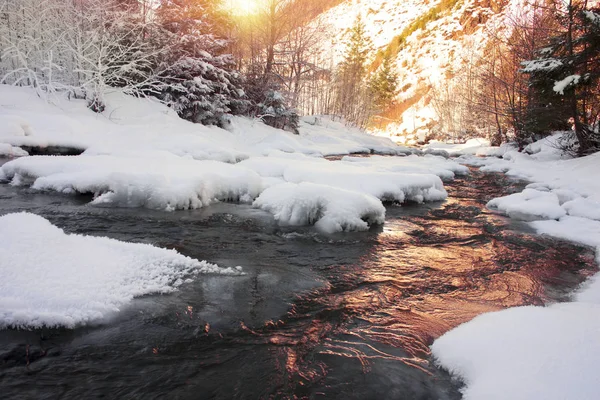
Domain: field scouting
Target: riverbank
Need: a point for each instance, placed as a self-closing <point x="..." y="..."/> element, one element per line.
<point x="537" y="352"/>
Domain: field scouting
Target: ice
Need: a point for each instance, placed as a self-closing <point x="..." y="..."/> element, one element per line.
<point x="52" y="279"/>
<point x="329" y="209"/>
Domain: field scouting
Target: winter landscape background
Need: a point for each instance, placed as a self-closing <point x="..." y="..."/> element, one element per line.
<point x="364" y="199"/>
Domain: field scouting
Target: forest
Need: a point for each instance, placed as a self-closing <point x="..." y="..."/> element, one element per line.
<point x="536" y="76"/>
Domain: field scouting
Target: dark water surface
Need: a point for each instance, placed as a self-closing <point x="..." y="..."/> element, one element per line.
<point x="347" y="316"/>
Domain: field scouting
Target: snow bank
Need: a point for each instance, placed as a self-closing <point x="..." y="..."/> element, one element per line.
<point x="529" y="205"/>
<point x="526" y="353"/>
<point x="147" y="125"/>
<point x="139" y="153"/>
<point x="49" y="278"/>
<point x="549" y="353"/>
<point x="156" y="180"/>
<point x="329" y="209"/>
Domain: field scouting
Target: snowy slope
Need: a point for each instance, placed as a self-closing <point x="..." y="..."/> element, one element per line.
<point x="429" y="56"/>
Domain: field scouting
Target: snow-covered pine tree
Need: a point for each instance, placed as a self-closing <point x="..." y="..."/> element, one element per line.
<point x="199" y="80"/>
<point x="204" y="89"/>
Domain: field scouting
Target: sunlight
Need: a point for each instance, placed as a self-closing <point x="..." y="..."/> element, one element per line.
<point x="242" y="7"/>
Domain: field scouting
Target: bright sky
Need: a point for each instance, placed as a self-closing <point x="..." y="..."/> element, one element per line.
<point x="242" y="7"/>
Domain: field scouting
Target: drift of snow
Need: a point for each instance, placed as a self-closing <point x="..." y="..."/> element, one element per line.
<point x="49" y="278"/>
<point x="329" y="209"/>
<point x="526" y="353"/>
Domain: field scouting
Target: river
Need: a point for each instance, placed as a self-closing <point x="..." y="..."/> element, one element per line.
<point x="345" y="316"/>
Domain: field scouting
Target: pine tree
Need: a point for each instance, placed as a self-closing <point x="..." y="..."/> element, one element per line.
<point x="200" y="81"/>
<point x="352" y="98"/>
<point x="384" y="84"/>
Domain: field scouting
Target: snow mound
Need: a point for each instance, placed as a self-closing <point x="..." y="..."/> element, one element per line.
<point x="49" y="278"/>
<point x="152" y="180"/>
<point x="13" y="125"/>
<point x="529" y="205"/>
<point x="526" y="353"/>
<point x="387" y="186"/>
<point x="329" y="209"/>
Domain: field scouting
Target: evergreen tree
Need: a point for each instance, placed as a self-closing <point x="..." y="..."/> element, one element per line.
<point x="384" y="84"/>
<point x="566" y="77"/>
<point x="200" y="82"/>
<point x="352" y="97"/>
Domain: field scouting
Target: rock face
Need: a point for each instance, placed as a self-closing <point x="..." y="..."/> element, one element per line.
<point x="431" y="39"/>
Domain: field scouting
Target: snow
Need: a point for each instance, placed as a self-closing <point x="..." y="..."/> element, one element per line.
<point x="571" y="80"/>
<point x="526" y="353"/>
<point x="11" y="151"/>
<point x="139" y="153"/>
<point x="329" y="209"/>
<point x="551" y="352"/>
<point x="477" y="146"/>
<point x="49" y="278"/>
<point x="147" y="125"/>
<point x="157" y="181"/>
<point x="529" y="205"/>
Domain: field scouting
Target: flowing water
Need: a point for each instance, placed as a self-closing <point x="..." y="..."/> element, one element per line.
<point x="346" y="316"/>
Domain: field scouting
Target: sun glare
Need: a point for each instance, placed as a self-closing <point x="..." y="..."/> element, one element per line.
<point x="243" y="7"/>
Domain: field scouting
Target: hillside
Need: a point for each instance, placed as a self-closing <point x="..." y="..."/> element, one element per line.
<point x="430" y="42"/>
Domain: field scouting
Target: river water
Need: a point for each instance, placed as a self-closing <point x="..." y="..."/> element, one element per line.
<point x="345" y="316"/>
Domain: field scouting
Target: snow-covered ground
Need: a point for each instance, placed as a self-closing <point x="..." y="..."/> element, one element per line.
<point x="138" y="153"/>
<point x="548" y="352"/>
<point x="49" y="278"/>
